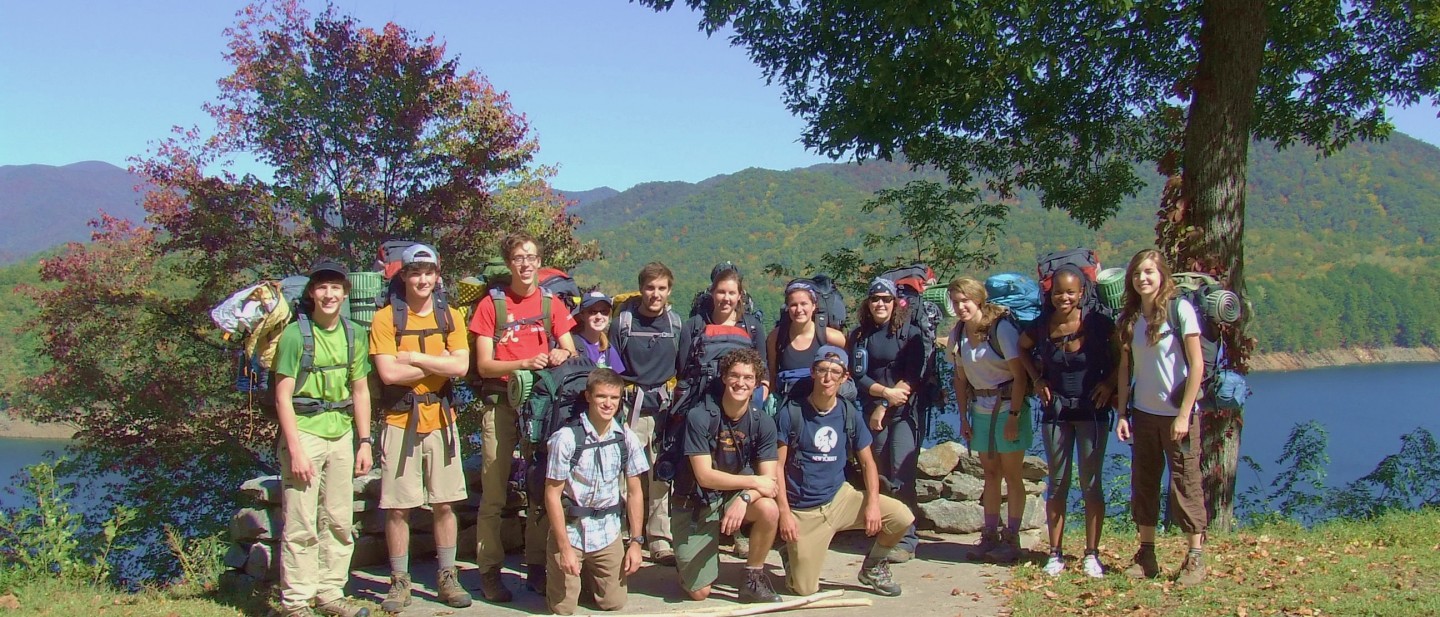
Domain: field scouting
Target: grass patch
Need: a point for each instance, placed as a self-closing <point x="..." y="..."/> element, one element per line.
<point x="60" y="597"/>
<point x="1387" y="566"/>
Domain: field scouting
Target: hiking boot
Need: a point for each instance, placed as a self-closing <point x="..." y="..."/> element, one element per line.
<point x="399" y="595"/>
<point x="663" y="556"/>
<point x="899" y="555"/>
<point x="299" y="611"/>
<point x="1192" y="572"/>
<point x="1055" y="566"/>
<point x="1008" y="548"/>
<point x="742" y="546"/>
<point x="876" y="574"/>
<point x="1092" y="566"/>
<point x="535" y="577"/>
<point x="448" y="590"/>
<point x="492" y="588"/>
<point x="988" y="541"/>
<point x="342" y="607"/>
<point x="757" y="587"/>
<point x="1143" y="565"/>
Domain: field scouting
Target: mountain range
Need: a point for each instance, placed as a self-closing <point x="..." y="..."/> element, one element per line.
<point x="44" y="205"/>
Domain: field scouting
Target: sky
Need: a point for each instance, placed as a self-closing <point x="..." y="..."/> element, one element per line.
<point x="616" y="93"/>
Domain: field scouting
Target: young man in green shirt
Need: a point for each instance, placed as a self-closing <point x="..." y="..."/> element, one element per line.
<point x="321" y="367"/>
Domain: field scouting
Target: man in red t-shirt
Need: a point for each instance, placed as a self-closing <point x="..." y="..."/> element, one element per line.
<point x="527" y="340"/>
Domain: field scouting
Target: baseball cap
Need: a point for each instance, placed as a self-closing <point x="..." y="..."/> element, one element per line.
<point x="591" y="299"/>
<point x="328" y="265"/>
<point x="831" y="353"/>
<point x="883" y="287"/>
<point x="419" y="254"/>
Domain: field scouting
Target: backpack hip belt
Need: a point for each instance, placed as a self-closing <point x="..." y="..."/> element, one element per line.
<point x="573" y="511"/>
<point x="1000" y="390"/>
<point x="411" y="402"/>
<point x="306" y="406"/>
<point x="663" y="395"/>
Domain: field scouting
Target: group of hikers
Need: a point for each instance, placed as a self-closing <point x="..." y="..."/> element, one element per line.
<point x="693" y="428"/>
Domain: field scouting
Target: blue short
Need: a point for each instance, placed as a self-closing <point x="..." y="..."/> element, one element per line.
<point x="988" y="431"/>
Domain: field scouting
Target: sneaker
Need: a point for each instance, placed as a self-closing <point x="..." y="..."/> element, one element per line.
<point x="1008" y="548"/>
<point x="757" y="587"/>
<point x="342" y="607"/>
<point x="492" y="588"/>
<point x="1055" y="565"/>
<point x="399" y="595"/>
<point x="535" y="577"/>
<point x="877" y="575"/>
<point x="1143" y="565"/>
<point x="1092" y="566"/>
<point x="899" y="555"/>
<point x="988" y="541"/>
<point x="1192" y="572"/>
<point x="448" y="590"/>
<point x="742" y="546"/>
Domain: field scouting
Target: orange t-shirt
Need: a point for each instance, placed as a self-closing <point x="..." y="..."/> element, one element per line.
<point x="383" y="343"/>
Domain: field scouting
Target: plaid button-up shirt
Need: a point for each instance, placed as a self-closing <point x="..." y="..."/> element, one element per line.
<point x="595" y="481"/>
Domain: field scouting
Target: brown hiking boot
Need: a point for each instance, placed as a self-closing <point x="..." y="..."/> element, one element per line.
<point x="988" y="541"/>
<point x="492" y="588"/>
<point x="399" y="595"/>
<point x="1192" y="572"/>
<point x="299" y="611"/>
<point x="342" y="607"/>
<point x="1143" y="565"/>
<point x="448" y="590"/>
<point x="1008" y="549"/>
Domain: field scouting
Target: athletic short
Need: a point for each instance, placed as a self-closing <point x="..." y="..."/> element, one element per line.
<point x="697" y="544"/>
<point x="989" y="430"/>
<point x="425" y="471"/>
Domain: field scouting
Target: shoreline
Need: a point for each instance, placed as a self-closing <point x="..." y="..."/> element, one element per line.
<point x="12" y="427"/>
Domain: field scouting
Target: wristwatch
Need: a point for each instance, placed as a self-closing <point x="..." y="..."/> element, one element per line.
<point x="369" y="440"/>
<point x="636" y="540"/>
<point x="745" y="496"/>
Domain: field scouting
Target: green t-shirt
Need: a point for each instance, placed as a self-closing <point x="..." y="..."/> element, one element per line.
<point x="332" y="385"/>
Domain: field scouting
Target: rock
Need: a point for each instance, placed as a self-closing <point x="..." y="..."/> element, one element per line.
<point x="421" y="544"/>
<point x="1035" y="488"/>
<point x="465" y="543"/>
<point x="371" y="522"/>
<point x="961" y="486"/>
<point x="237" y="555"/>
<point x="422" y="519"/>
<point x="954" y="516"/>
<point x="365" y="505"/>
<point x="368" y="485"/>
<point x="471" y="466"/>
<point x="1034" y="517"/>
<point x="264" y="562"/>
<point x="250" y="524"/>
<point x="265" y="490"/>
<point x="237" y="582"/>
<point x="970" y="464"/>
<point x="1034" y="468"/>
<point x="939" y="461"/>
<point x="928" y="490"/>
<point x="370" y="550"/>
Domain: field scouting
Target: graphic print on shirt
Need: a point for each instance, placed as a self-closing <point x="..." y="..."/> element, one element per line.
<point x="825" y="440"/>
<point x="512" y="332"/>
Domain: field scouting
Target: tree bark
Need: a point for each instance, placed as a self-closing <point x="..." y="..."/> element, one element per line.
<point x="1217" y="142"/>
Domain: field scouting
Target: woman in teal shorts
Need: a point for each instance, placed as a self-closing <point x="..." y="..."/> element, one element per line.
<point x="991" y="379"/>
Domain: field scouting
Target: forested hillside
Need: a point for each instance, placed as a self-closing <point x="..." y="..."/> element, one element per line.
<point x="1341" y="251"/>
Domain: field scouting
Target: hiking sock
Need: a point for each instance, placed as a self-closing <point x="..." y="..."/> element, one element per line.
<point x="1092" y="551"/>
<point x="1058" y="553"/>
<point x="992" y="521"/>
<point x="1197" y="556"/>
<point x="400" y="564"/>
<point x="446" y="556"/>
<point x="1147" y="547"/>
<point x="1013" y="524"/>
<point x="877" y="553"/>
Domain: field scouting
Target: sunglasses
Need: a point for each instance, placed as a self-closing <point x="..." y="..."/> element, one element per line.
<point x="882" y="299"/>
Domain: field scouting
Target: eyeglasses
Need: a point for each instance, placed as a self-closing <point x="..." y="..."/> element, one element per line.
<point x="831" y="371"/>
<point x="525" y="259"/>
<point x="882" y="299"/>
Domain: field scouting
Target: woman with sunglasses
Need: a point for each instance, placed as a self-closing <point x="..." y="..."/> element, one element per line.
<point x="894" y="354"/>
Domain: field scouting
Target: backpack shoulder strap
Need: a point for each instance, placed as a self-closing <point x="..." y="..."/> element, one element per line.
<point x="502" y="314"/>
<point x="676" y="324"/>
<point x="307" y="350"/>
<point x="545" y="299"/>
<point x="349" y="348"/>
<point x="796" y="420"/>
<point x="852" y="437"/>
<point x="625" y="324"/>
<point x="578" y="430"/>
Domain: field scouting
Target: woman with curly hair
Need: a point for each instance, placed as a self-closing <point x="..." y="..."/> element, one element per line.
<point x="893" y="348"/>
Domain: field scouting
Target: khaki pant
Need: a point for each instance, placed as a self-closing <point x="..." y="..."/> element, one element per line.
<point x="317" y="541"/>
<point x="819" y="525"/>
<point x="420" y="469"/>
<point x="602" y="569"/>
<point x="657" y="493"/>
<point x="499" y="433"/>
<point x="1154" y="449"/>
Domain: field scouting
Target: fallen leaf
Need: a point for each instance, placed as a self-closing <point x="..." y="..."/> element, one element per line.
<point x="1051" y="595"/>
<point x="955" y="592"/>
<point x="9" y="602"/>
<point x="1242" y="612"/>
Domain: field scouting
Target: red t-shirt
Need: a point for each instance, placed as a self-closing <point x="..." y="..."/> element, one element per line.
<point x="527" y="341"/>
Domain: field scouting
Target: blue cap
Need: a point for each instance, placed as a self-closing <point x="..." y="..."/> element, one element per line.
<point x="591" y="299"/>
<point x="831" y="353"/>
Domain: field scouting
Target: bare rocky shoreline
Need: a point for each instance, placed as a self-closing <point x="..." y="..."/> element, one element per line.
<point x="14" y="427"/>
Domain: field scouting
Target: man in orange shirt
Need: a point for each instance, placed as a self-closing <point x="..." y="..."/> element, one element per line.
<point x="513" y="331"/>
<point x="417" y="351"/>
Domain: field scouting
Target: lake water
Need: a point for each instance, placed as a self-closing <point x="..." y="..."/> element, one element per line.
<point x="1365" y="408"/>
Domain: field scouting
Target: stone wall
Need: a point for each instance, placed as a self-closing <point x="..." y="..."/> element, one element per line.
<point x="949" y="485"/>
<point x="254" y="555"/>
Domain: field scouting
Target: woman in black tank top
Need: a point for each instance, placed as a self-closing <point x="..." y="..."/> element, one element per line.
<point x="791" y="346"/>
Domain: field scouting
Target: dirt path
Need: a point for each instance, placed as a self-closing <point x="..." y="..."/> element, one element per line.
<point x="940" y="583"/>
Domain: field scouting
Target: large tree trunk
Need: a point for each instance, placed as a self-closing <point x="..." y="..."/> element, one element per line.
<point x="1217" y="141"/>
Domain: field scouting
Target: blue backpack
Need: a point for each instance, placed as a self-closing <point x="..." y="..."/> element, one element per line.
<point x="1019" y="293"/>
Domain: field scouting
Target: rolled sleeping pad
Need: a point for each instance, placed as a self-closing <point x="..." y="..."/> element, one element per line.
<point x="518" y="388"/>
<point x="1223" y="306"/>
<point x="1111" y="285"/>
<point x="939" y="295"/>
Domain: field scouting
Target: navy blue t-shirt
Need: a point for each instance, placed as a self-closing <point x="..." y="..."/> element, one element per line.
<point x="815" y="461"/>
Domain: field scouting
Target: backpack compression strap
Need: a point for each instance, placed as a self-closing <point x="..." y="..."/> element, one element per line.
<point x="578" y="430"/>
<point x="502" y="314"/>
<point x="627" y="325"/>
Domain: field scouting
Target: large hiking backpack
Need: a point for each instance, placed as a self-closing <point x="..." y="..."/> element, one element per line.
<point x="1087" y="263"/>
<point x="623" y="313"/>
<point x="911" y="282"/>
<point x="304" y="406"/>
<point x="1021" y="295"/>
<point x="1222" y="388"/>
<point x="556" y="397"/>
<point x="672" y="447"/>
<point x="829" y="305"/>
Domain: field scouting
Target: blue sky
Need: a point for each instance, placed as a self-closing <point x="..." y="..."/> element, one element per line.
<point x="616" y="93"/>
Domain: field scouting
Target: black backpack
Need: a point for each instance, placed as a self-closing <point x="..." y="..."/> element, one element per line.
<point x="1221" y="388"/>
<point x="792" y="408"/>
<point x="306" y="405"/>
<point x="557" y="398"/>
<point x="829" y="305"/>
<point x="673" y="450"/>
